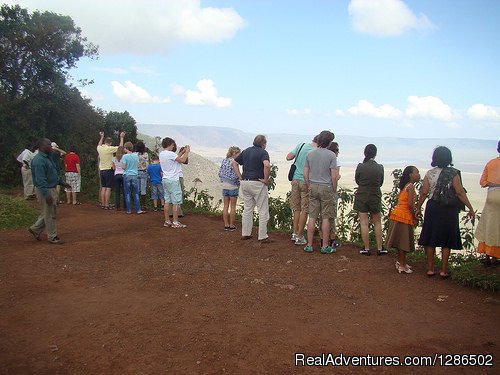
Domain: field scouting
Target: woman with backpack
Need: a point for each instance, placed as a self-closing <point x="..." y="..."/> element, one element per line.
<point x="443" y="186"/>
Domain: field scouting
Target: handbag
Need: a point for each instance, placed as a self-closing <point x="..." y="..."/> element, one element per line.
<point x="445" y="193"/>
<point x="293" y="167"/>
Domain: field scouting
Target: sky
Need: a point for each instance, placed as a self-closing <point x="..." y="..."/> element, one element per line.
<point x="381" y="68"/>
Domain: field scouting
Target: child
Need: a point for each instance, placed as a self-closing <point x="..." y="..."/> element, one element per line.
<point x="230" y="188"/>
<point x="155" y="175"/>
<point x="402" y="219"/>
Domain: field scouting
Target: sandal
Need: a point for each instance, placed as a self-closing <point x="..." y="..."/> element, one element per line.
<point x="76" y="203"/>
<point x="444" y="275"/>
<point x="430" y="273"/>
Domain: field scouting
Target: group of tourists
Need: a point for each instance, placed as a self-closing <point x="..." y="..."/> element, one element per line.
<point x="314" y="180"/>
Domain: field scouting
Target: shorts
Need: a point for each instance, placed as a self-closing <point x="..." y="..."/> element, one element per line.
<point x="299" y="197"/>
<point x="74" y="179"/>
<point x="368" y="203"/>
<point x="143" y="179"/>
<point x="157" y="191"/>
<point x="321" y="201"/>
<point x="107" y="178"/>
<point x="230" y="192"/>
<point x="172" y="191"/>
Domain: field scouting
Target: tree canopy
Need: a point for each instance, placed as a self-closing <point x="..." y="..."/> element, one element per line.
<point x="37" y="51"/>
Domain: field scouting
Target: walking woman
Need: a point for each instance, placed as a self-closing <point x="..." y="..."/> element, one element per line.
<point x="368" y="199"/>
<point x="441" y="225"/>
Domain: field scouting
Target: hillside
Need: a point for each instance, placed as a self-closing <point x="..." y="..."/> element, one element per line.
<point x="199" y="172"/>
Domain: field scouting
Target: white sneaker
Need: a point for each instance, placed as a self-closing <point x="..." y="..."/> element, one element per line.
<point x="294" y="237"/>
<point x="300" y="241"/>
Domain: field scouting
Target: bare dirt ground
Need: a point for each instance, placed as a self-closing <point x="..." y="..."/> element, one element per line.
<point x="124" y="295"/>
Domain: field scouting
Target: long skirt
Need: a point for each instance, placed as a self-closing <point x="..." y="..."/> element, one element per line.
<point x="400" y="236"/>
<point x="441" y="227"/>
<point x="488" y="229"/>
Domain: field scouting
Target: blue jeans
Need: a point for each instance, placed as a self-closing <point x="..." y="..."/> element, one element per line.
<point x="143" y="179"/>
<point x="131" y="183"/>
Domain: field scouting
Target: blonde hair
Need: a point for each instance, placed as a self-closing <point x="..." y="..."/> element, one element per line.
<point x="233" y="150"/>
<point x="129" y="146"/>
<point x="119" y="153"/>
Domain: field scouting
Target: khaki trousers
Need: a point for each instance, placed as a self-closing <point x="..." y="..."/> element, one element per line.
<point x="29" y="188"/>
<point x="47" y="217"/>
<point x="255" y="194"/>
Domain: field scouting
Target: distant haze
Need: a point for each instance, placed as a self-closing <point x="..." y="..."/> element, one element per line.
<point x="469" y="155"/>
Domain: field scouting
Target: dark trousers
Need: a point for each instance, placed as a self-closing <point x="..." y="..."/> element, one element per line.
<point x="119" y="190"/>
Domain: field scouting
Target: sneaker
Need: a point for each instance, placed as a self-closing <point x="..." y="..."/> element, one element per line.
<point x="300" y="241"/>
<point x="244" y="238"/>
<point x="37" y="236"/>
<point x="328" y="250"/>
<point x="226" y="228"/>
<point x="308" y="249"/>
<point x="177" y="224"/>
<point x="155" y="209"/>
<point x="167" y="224"/>
<point x="232" y="228"/>
<point x="365" y="252"/>
<point x="56" y="240"/>
<point x="294" y="237"/>
<point x="382" y="251"/>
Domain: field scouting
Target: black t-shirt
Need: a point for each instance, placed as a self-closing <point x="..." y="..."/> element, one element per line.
<point x="252" y="161"/>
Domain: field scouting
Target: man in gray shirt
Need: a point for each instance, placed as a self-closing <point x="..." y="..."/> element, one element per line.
<point x="320" y="175"/>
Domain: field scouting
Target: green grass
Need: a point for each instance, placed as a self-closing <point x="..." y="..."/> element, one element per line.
<point x="468" y="270"/>
<point x="465" y="270"/>
<point x="16" y="212"/>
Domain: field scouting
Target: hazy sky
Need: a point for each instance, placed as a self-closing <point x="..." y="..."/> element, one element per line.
<point x="414" y="68"/>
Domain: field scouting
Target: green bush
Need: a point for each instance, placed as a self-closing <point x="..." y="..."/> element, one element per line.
<point x="468" y="270"/>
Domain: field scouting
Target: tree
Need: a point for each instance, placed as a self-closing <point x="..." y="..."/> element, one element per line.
<point x="37" y="50"/>
<point x="116" y="122"/>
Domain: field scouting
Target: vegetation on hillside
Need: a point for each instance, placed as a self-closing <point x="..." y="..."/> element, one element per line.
<point x="37" y="98"/>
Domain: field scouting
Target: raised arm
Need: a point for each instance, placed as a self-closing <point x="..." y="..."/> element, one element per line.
<point x="101" y="139"/>
<point x="184" y="156"/>
<point x="122" y="137"/>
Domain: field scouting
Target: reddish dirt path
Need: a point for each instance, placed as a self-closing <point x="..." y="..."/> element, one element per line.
<point x="125" y="295"/>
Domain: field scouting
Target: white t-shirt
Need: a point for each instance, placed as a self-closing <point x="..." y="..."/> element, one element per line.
<point x="432" y="176"/>
<point x="21" y="155"/>
<point x="171" y="169"/>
